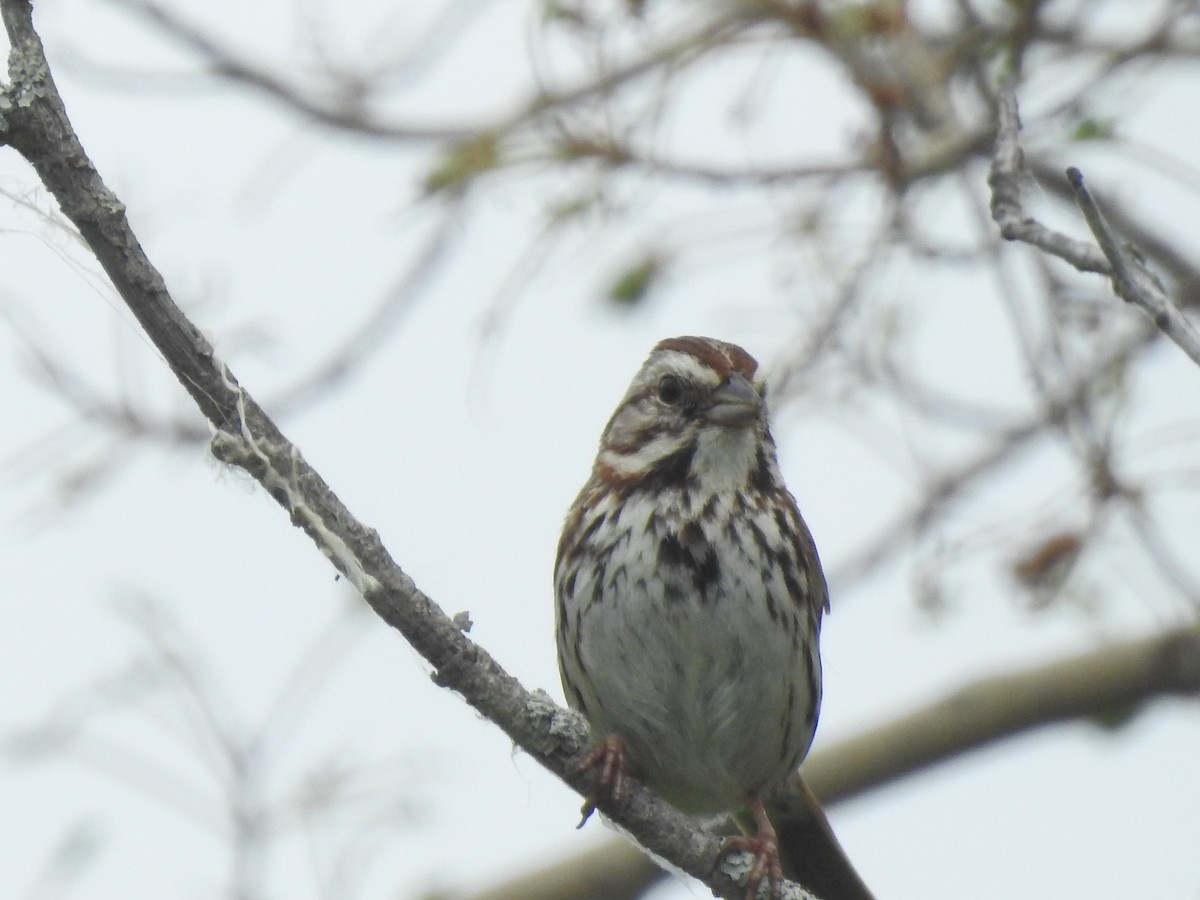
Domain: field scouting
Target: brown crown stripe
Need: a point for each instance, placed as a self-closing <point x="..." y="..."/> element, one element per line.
<point x="721" y="357"/>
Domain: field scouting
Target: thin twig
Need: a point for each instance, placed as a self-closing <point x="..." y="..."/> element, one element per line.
<point x="950" y="485"/>
<point x="1132" y="281"/>
<point x="347" y="107"/>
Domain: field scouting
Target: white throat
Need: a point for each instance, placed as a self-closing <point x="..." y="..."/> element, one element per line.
<point x="725" y="457"/>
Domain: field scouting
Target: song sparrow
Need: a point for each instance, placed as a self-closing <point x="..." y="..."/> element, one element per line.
<point x="690" y="595"/>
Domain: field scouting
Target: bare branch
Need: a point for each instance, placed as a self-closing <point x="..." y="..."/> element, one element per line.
<point x="1107" y="686"/>
<point x="350" y="110"/>
<point x="346" y="110"/>
<point x="951" y="485"/>
<point x="613" y="871"/>
<point x="1132" y="281"/>
<point x="1007" y="208"/>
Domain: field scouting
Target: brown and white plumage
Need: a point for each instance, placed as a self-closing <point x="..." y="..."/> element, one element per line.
<point x="689" y="591"/>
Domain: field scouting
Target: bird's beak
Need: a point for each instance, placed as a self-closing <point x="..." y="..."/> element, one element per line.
<point x="735" y="404"/>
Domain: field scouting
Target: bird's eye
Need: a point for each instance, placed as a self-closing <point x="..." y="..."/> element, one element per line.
<point x="670" y="390"/>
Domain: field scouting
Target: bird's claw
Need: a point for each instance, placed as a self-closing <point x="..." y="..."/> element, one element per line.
<point x="610" y="761"/>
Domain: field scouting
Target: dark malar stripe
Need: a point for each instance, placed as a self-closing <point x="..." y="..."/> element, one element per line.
<point x="673" y="472"/>
<point x="761" y="480"/>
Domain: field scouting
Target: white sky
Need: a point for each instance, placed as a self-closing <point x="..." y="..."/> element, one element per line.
<point x="275" y="236"/>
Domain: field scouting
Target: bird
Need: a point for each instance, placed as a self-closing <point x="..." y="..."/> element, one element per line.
<point x="689" y="598"/>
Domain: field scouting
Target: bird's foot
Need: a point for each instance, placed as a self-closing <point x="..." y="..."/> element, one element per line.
<point x="764" y="848"/>
<point x="610" y="761"/>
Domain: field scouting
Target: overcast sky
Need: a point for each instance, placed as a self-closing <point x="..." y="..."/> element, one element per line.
<point x="463" y="450"/>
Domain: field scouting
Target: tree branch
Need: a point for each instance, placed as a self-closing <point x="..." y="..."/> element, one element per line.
<point x="1132" y="281"/>
<point x="1106" y="685"/>
<point x="1004" y="179"/>
<point x="950" y="485"/>
<point x="347" y="106"/>
<point x="34" y="122"/>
